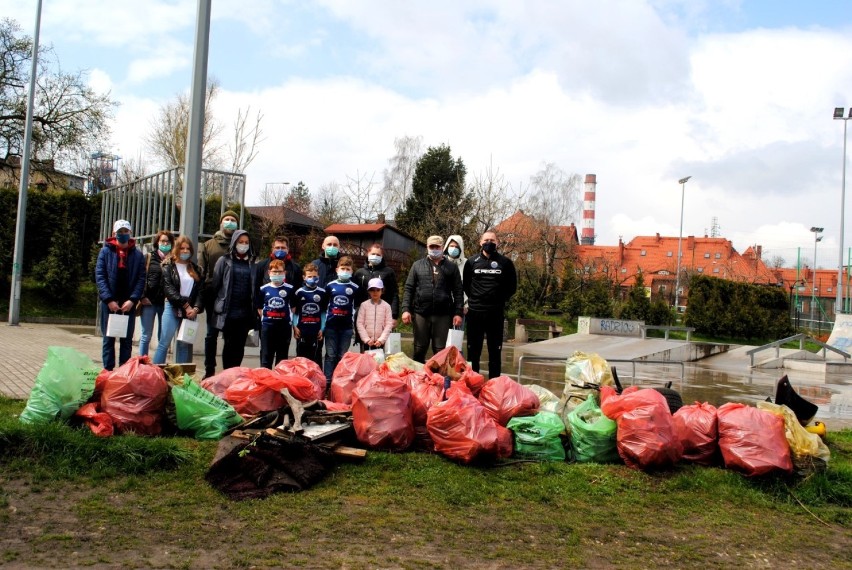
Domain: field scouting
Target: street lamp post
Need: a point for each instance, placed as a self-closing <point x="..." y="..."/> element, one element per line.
<point x="682" y="183"/>
<point x="838" y="115"/>
<point x="817" y="238"/>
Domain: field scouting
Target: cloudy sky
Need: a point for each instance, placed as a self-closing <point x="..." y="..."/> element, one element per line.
<point x="738" y="94"/>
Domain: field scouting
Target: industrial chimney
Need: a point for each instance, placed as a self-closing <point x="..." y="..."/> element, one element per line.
<point x="587" y="237"/>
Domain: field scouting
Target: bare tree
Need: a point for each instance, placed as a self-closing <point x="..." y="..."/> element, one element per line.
<point x="493" y="199"/>
<point x="359" y="201"/>
<point x="247" y="137"/>
<point x="167" y="139"/>
<point x="329" y="207"/>
<point x="400" y="172"/>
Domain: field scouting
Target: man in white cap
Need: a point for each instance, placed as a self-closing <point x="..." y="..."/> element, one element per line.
<point x="433" y="300"/>
<point x="120" y="276"/>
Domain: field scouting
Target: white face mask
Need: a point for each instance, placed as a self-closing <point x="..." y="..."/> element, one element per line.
<point x="436" y="253"/>
<point x="242" y="248"/>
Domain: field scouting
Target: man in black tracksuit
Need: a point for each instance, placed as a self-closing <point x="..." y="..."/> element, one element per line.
<point x="490" y="281"/>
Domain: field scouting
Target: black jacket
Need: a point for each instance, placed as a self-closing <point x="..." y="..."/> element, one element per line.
<point x="391" y="293"/>
<point x="292" y="273"/>
<point x="433" y="289"/>
<point x="326" y="269"/>
<point x="489" y="282"/>
<point x="171" y="287"/>
<point x="154" y="279"/>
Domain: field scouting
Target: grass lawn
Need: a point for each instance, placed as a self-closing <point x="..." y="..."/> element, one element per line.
<point x="68" y="499"/>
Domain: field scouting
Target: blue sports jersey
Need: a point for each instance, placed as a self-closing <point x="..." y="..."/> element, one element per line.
<point x="341" y="304"/>
<point x="310" y="305"/>
<point x="275" y="302"/>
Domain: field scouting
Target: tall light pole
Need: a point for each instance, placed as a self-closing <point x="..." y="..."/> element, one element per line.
<point x="682" y="183"/>
<point x="817" y="238"/>
<point x="838" y="115"/>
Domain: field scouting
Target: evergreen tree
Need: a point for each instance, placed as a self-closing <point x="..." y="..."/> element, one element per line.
<point x="439" y="202"/>
<point x="638" y="306"/>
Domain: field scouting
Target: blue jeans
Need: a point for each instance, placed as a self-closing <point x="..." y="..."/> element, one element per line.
<point x="171" y="324"/>
<point x="125" y="345"/>
<point x="146" y="319"/>
<point x="337" y="342"/>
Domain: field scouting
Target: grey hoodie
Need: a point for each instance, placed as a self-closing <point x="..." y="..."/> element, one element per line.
<point x="460" y="260"/>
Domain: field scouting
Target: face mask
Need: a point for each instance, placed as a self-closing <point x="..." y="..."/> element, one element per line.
<point x="436" y="253"/>
<point x="185" y="256"/>
<point x="331" y="251"/>
<point x="280" y="253"/>
<point x="165" y="248"/>
<point x="489" y="247"/>
<point x="229" y="226"/>
<point x="242" y="248"/>
<point x="374" y="259"/>
<point x="122" y="238"/>
<point x="344" y="275"/>
<point x="454" y="252"/>
<point x="312" y="281"/>
<point x="276" y="279"/>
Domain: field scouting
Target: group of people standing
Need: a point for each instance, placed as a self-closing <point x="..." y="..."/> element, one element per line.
<point x="323" y="305"/>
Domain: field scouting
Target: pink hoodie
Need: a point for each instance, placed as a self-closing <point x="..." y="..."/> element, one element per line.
<point x="374" y="321"/>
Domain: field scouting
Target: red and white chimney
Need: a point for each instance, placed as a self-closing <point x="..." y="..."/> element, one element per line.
<point x="587" y="237"/>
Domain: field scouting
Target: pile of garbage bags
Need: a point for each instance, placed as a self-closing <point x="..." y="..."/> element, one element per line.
<point x="441" y="406"/>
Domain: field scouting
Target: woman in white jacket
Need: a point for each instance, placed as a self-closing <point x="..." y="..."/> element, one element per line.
<point x="454" y="249"/>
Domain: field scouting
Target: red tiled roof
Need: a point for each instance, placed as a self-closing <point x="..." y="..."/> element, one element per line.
<point x="353" y="228"/>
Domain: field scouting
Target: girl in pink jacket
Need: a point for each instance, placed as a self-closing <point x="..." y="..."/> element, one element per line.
<point x="375" y="321"/>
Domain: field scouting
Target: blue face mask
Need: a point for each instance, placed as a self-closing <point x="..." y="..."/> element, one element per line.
<point x="185" y="256"/>
<point x="374" y="259"/>
<point x="436" y="253"/>
<point x="280" y="253"/>
<point x="122" y="238"/>
<point x="454" y="252"/>
<point x="331" y="251"/>
<point x="276" y="279"/>
<point x="165" y="248"/>
<point x="344" y="275"/>
<point x="229" y="225"/>
<point x="312" y="281"/>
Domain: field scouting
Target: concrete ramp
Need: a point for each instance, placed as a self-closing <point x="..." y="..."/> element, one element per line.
<point x="841" y="334"/>
<point x="620" y="348"/>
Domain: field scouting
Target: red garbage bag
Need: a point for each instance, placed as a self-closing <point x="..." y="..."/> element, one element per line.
<point x="381" y="412"/>
<point x="474" y="381"/>
<point x="349" y="371"/>
<point x="697" y="427"/>
<point x="335" y="407"/>
<point x="427" y="389"/>
<point x="463" y="430"/>
<point x="99" y="422"/>
<point x="259" y="390"/>
<point x="504" y="399"/>
<point x="100" y="382"/>
<point x="752" y="441"/>
<point x="307" y="368"/>
<point x="645" y="438"/>
<point x="447" y="362"/>
<point x="134" y="396"/>
<point x="220" y="382"/>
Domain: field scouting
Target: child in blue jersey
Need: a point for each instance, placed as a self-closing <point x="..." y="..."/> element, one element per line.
<point x="339" y="316"/>
<point x="273" y="307"/>
<point x="309" y="305"/>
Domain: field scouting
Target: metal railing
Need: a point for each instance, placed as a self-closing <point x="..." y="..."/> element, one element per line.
<point x="801" y="338"/>
<point x="152" y="203"/>
<point x="667" y="330"/>
<point x="633" y="363"/>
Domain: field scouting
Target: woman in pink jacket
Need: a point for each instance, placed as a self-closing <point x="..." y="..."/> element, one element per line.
<point x="375" y="321"/>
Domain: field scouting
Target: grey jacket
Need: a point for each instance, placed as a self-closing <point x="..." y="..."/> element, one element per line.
<point x="222" y="282"/>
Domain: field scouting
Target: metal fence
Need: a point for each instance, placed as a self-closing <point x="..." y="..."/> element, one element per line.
<point x="153" y="203"/>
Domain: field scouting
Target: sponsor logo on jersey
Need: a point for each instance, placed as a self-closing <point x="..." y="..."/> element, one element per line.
<point x="276" y="303"/>
<point x="488" y="271"/>
<point x="310" y="309"/>
<point x="317" y="298"/>
<point x="341" y="300"/>
<point x="282" y="292"/>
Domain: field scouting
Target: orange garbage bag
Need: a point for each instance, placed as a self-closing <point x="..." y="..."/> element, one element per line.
<point x="447" y="362"/>
<point x="349" y="371"/>
<point x="645" y="438"/>
<point x="697" y="427"/>
<point x="99" y="422"/>
<point x="259" y="390"/>
<point x="752" y="441"/>
<point x="134" y="396"/>
<point x="381" y="412"/>
<point x="504" y="399"/>
<point x="463" y="430"/>
<point x="220" y="382"/>
<point x="307" y="368"/>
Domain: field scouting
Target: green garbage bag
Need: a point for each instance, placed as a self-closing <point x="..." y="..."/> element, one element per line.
<point x="537" y="436"/>
<point x="203" y="413"/>
<point x="592" y="434"/>
<point x="64" y="383"/>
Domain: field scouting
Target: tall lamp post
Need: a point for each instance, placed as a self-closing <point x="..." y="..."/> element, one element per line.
<point x="817" y="238"/>
<point x="838" y="115"/>
<point x="682" y="183"/>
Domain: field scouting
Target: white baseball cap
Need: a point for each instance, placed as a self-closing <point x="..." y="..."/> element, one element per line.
<point x="121" y="225"/>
